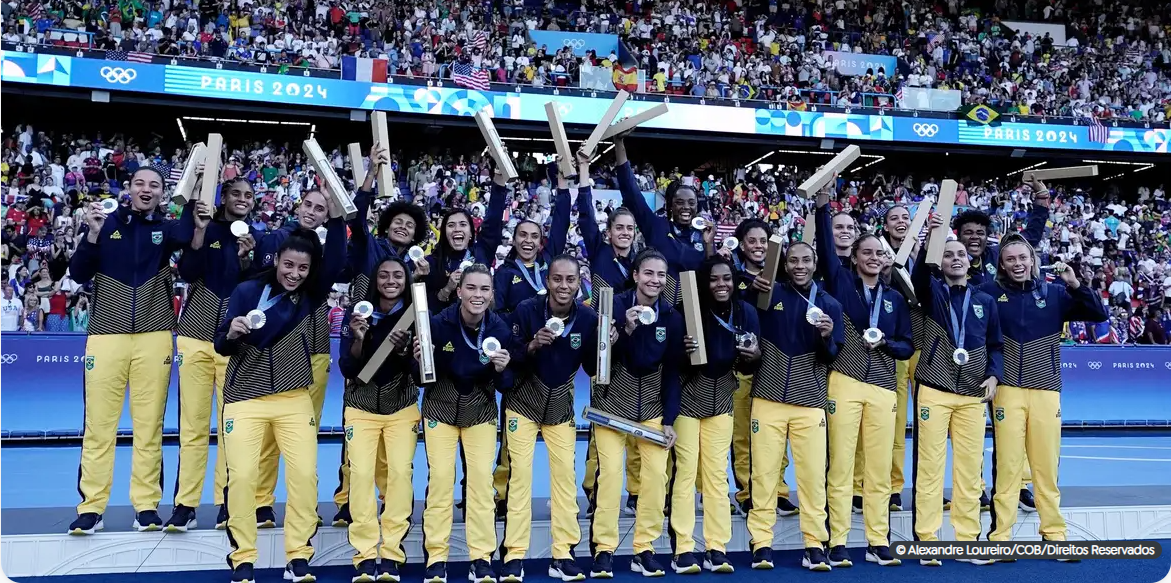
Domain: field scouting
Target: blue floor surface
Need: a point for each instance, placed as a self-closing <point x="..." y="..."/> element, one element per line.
<point x="788" y="569"/>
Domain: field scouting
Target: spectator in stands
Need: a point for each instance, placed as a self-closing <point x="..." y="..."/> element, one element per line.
<point x="79" y="313"/>
<point x="10" y="309"/>
<point x="32" y="318"/>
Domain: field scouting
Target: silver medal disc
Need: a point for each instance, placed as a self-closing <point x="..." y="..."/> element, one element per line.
<point x="415" y="253"/>
<point x="465" y="264"/>
<point x="555" y="325"/>
<point x="647" y="317"/>
<point x="491" y="345"/>
<point x="363" y="309"/>
<point x="872" y="335"/>
<point x="256" y="319"/>
<point x="322" y="232"/>
<point x="698" y="223"/>
<point x="731" y="243"/>
<point x="960" y="356"/>
<point x="239" y="228"/>
<point x="109" y="205"/>
<point x="813" y="314"/>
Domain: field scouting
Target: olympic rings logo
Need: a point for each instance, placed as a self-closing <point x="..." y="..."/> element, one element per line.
<point x="925" y="130"/>
<point x="8" y="358"/>
<point x="1095" y="365"/>
<point x="574" y="43"/>
<point x="118" y="74"/>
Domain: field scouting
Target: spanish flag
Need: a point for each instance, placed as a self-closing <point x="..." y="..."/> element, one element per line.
<point x="626" y="79"/>
<point x="982" y="114"/>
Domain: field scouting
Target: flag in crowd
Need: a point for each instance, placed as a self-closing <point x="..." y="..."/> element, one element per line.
<point x="478" y="40"/>
<point x="364" y="69"/>
<point x="132" y="56"/>
<point x="35" y="11"/>
<point x="1099" y="134"/>
<point x="465" y="75"/>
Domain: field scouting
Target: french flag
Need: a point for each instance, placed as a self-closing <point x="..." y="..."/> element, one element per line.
<point x="362" y="69"/>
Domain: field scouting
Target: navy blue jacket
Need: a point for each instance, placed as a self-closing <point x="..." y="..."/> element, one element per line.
<point x="366" y="251"/>
<point x="511" y="286"/>
<point x="983" y="269"/>
<point x="464" y="393"/>
<point x="392" y="387"/>
<point x="481" y="250"/>
<point x="795" y="358"/>
<point x="707" y="389"/>
<point x="644" y="366"/>
<point x="608" y="270"/>
<point x="212" y="272"/>
<point x="544" y="386"/>
<point x="982" y="338"/>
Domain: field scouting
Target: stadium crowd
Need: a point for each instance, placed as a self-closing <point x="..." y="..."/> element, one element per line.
<point x="1119" y="242"/>
<point x="1115" y="63"/>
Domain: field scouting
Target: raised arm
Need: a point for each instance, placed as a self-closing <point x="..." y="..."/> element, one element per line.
<point x="828" y="261"/>
<point x="923" y="278"/>
<point x="649" y="223"/>
<point x="333" y="256"/>
<point x="358" y="255"/>
<point x="180" y="232"/>
<point x="559" y="225"/>
<point x="587" y="221"/>
<point x="492" y="229"/>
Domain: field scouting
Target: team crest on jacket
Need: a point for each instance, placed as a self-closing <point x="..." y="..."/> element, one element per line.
<point x="888" y="306"/>
<point x="991" y="269"/>
<point x="156" y="237"/>
<point x="484" y="359"/>
<point x="660" y="333"/>
<point x="978" y="310"/>
<point x="575" y="340"/>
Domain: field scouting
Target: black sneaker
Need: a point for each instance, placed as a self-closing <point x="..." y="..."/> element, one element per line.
<point x="388" y="572"/>
<point x="603" y="567"/>
<point x="786" y="508"/>
<point x="501" y="510"/>
<point x="221" y="518"/>
<point x="147" y="521"/>
<point x="1027" y="503"/>
<point x="839" y="557"/>
<point x="646" y="563"/>
<point x="946" y="503"/>
<point x="631" y="508"/>
<point x="436" y="573"/>
<point x="297" y="571"/>
<point x="87" y="523"/>
<point x="364" y="572"/>
<point x="685" y="564"/>
<point x="762" y="558"/>
<point x="481" y="571"/>
<point x="985" y="502"/>
<point x="717" y="562"/>
<point x="181" y="519"/>
<point x="243" y="573"/>
<point x="342" y="519"/>
<point x="566" y="570"/>
<point x="265" y="517"/>
<point x="814" y="560"/>
<point x="896" y="502"/>
<point x="856" y="505"/>
<point x="1064" y="560"/>
<point x="882" y="556"/>
<point x="513" y="571"/>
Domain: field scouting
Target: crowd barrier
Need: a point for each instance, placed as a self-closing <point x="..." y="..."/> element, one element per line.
<point x="42" y="392"/>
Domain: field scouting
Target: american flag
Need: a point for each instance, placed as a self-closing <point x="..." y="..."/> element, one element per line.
<point x="176" y="174"/>
<point x="35" y="10"/>
<point x="1099" y="133"/>
<point x="899" y="95"/>
<point x="468" y="76"/>
<point x="132" y="56"/>
<point x="479" y="40"/>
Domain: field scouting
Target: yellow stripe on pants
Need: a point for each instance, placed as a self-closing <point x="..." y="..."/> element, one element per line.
<point x="288" y="417"/>
<point x="560" y="442"/>
<point x="772" y="425"/>
<point x="479" y="450"/>
<point x="201" y="373"/>
<point x="648" y="522"/>
<point x="904" y="375"/>
<point x="111" y="362"/>
<point x="936" y="414"/>
<point x="857" y="406"/>
<point x="367" y="434"/>
<point x="1026" y="421"/>
<point x="741" y="438"/>
<point x="701" y="450"/>
<point x="270" y="456"/>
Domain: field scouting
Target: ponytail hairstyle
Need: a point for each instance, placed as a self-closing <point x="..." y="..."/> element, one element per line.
<point x="399" y="207"/>
<point x="742" y="231"/>
<point x="569" y="258"/>
<point x="704" y="275"/>
<point x="858" y="243"/>
<point x="618" y="212"/>
<point x="374" y="297"/>
<point x="512" y="249"/>
<point x="304" y="241"/>
<point x="475" y="268"/>
<point x="443" y="250"/>
<point x="224" y="186"/>
<point x="886" y="217"/>
<point x="648" y="254"/>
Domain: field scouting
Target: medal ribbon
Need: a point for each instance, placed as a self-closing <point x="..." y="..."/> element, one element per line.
<point x="959" y="324"/>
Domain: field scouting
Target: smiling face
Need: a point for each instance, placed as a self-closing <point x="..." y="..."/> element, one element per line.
<point x="650" y="277"/>
<point x="800" y="265"/>
<point x="898" y="220"/>
<point x="146" y="189"/>
<point x="402" y="229"/>
<point x="1017" y="260"/>
<point x="869" y="257"/>
<point x="475" y="293"/>
<point x="720" y="283"/>
<point x="974" y="236"/>
<point x="955" y="261"/>
<point x="683" y="206"/>
<point x="755" y="245"/>
<point x="844" y="232"/>
<point x="458" y="231"/>
<point x="391" y="280"/>
<point x="238" y="200"/>
<point x="527" y="241"/>
<point x="622" y="231"/>
<point x="292" y="268"/>
<point x="313" y="210"/>
<point x="563" y="281"/>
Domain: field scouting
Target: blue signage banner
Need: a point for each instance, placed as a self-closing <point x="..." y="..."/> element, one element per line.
<point x="580" y="42"/>
<point x="446" y="99"/>
<point x="858" y="63"/>
<point x="43" y="385"/>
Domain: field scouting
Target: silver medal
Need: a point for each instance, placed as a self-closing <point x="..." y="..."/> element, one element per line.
<point x="647" y="317"/>
<point x="363" y="309"/>
<point x="239" y="228"/>
<point x="960" y="356"/>
<point x="555" y="325"/>
<point x="731" y="243"/>
<point x="256" y="319"/>
<point x="109" y="205"/>
<point x="490" y="346"/>
<point x="813" y="314"/>
<point x="872" y="335"/>
<point x="415" y="253"/>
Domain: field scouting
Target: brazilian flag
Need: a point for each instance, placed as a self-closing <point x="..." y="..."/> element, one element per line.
<point x="981" y="114"/>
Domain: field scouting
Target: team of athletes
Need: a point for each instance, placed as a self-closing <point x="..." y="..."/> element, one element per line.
<point x="823" y="370"/>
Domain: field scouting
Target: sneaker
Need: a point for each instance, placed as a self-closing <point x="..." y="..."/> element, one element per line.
<point x="882" y="556"/>
<point x="946" y="503"/>
<point x="978" y="562"/>
<point x="786" y="508"/>
<point x="342" y="519"/>
<point x="839" y="557"/>
<point x="243" y="573"/>
<point x="1064" y="560"/>
<point x="147" y="521"/>
<point x="513" y="571"/>
<point x="566" y="570"/>
<point x="1027" y="503"/>
<point x="87" y="523"/>
<point x="631" y="508"/>
<point x="221" y="518"/>
<point x="388" y="572"/>
<point x="762" y="558"/>
<point x="646" y="563"/>
<point x="501" y="510"/>
<point x="297" y="571"/>
<point x="896" y="502"/>
<point x="603" y="567"/>
<point x="481" y="571"/>
<point x="685" y="564"/>
<point x="985" y="502"/>
<point x="265" y="517"/>
<point x="814" y="560"/>
<point x="364" y="572"/>
<point x="717" y="562"/>
<point x="436" y="573"/>
<point x="181" y="519"/>
<point x="930" y="563"/>
<point x="856" y="505"/>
